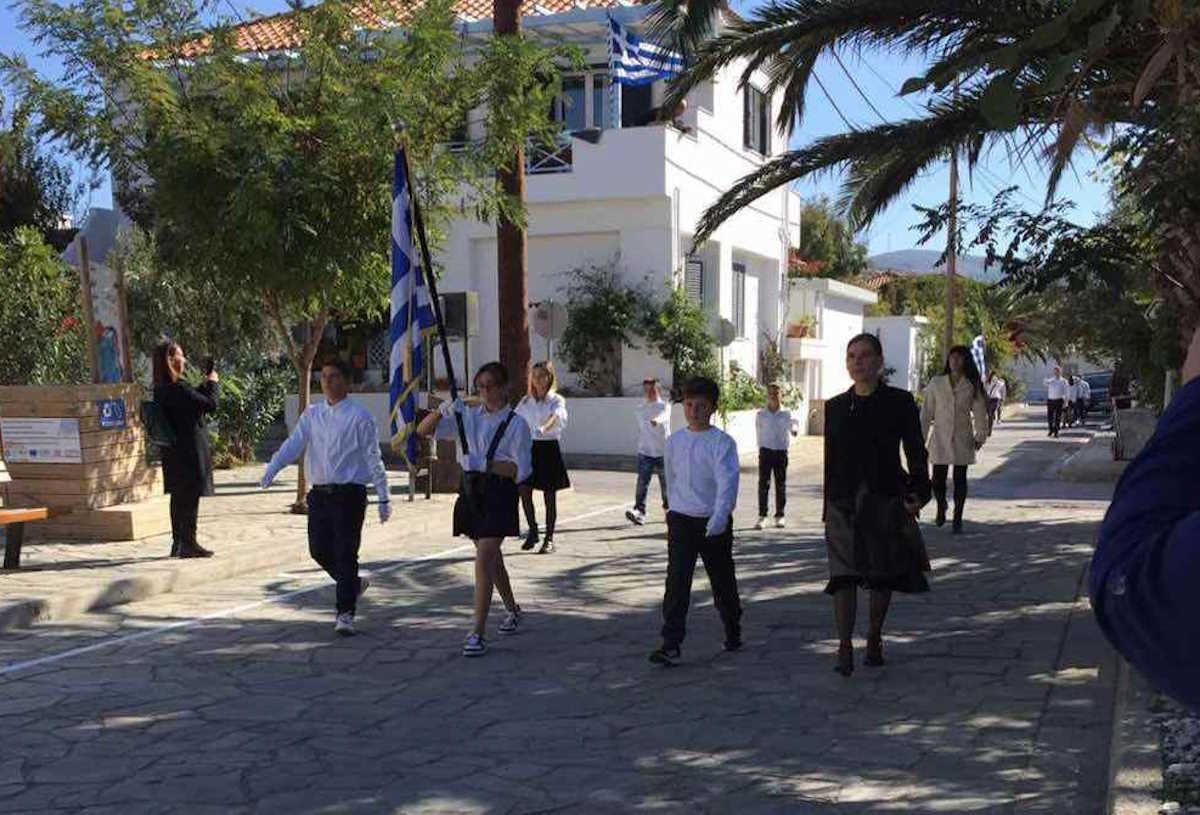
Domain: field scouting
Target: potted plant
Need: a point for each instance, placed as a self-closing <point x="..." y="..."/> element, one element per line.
<point x="803" y="326"/>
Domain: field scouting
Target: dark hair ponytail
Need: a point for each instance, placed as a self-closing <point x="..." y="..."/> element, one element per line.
<point x="162" y="367"/>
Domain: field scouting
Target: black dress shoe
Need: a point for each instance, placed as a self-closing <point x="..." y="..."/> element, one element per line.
<point x="194" y="550"/>
<point x="940" y="520"/>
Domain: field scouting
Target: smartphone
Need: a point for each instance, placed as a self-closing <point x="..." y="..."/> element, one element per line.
<point x="209" y="365"/>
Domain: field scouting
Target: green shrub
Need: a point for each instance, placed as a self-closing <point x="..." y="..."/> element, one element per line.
<point x="740" y="391"/>
<point x="252" y="399"/>
<point x="678" y="330"/>
<point x="603" y="314"/>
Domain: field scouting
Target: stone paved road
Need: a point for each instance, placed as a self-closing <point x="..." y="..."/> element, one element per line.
<point x="997" y="696"/>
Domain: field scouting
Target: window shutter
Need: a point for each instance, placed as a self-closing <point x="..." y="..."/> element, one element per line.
<point x="747" y="117"/>
<point x="764" y="124"/>
<point x="693" y="279"/>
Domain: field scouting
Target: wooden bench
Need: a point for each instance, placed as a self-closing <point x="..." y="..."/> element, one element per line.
<point x="13" y="522"/>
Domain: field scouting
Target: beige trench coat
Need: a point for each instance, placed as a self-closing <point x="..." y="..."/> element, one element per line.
<point x="958" y="417"/>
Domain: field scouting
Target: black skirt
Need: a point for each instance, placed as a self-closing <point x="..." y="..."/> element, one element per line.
<point x="486" y="507"/>
<point x="549" y="469"/>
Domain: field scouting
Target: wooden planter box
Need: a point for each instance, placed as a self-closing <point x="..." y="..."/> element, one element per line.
<point x="79" y="466"/>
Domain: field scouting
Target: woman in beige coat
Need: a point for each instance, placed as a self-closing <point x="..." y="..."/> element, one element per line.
<point x="955" y="408"/>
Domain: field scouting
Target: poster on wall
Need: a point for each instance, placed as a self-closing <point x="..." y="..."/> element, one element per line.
<point x="40" y="441"/>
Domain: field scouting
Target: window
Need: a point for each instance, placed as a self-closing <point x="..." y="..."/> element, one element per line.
<point x="693" y="279"/>
<point x="756" y="133"/>
<point x="637" y="109"/>
<point x="570" y="108"/>
<point x="599" y="100"/>
<point x="739" y="300"/>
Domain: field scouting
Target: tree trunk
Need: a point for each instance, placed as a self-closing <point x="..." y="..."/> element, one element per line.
<point x="511" y="251"/>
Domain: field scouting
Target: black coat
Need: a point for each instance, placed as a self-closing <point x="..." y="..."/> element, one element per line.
<point x="187" y="464"/>
<point x="863" y="436"/>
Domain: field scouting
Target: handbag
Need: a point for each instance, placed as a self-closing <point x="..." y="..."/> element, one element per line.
<point x="888" y="546"/>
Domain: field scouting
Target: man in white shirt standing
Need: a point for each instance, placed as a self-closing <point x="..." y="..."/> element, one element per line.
<point x="702" y="481"/>
<point x="340" y="444"/>
<point x="1056" y="397"/>
<point x="997" y="392"/>
<point x="654" y="425"/>
<point x="775" y="428"/>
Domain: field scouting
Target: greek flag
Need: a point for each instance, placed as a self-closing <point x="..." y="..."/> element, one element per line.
<point x="632" y="61"/>
<point x="412" y="318"/>
<point x="977" y="348"/>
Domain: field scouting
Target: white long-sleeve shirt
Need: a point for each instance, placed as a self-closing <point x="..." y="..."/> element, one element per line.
<point x="996" y="389"/>
<point x="340" y="444"/>
<point x="536" y="413"/>
<point x="1085" y="390"/>
<point x="481" y="425"/>
<point x="1056" y="388"/>
<point x="775" y="428"/>
<point x="652" y="438"/>
<point x="702" y="476"/>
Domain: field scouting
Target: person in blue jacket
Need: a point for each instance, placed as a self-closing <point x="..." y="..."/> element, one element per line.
<point x="1145" y="578"/>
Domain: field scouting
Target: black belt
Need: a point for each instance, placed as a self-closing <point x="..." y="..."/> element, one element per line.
<point x="338" y="489"/>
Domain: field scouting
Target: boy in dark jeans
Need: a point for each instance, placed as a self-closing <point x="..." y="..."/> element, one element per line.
<point x="702" y="484"/>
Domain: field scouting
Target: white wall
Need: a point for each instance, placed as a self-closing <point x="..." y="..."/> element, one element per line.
<point x="841" y="320"/>
<point x="902" y="347"/>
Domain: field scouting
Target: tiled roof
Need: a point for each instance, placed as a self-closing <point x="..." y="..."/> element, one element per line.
<point x="279" y="32"/>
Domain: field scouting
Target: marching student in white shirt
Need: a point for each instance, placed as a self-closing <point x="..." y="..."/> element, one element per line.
<point x="340" y="443"/>
<point x="1069" y="414"/>
<point x="545" y="411"/>
<point x="1082" y="401"/>
<point x="486" y="510"/>
<point x="654" y="425"/>
<point x="997" y="391"/>
<point x="702" y="481"/>
<point x="1056" y="397"/>
<point x="775" y="428"/>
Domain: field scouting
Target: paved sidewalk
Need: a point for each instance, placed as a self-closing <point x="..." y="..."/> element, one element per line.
<point x="236" y="697"/>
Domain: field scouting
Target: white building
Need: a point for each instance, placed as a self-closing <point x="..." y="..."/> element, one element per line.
<point x="628" y="190"/>
<point x="823" y="315"/>
<point x="905" y="348"/>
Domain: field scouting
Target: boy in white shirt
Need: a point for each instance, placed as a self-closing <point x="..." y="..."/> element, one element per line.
<point x="775" y="427"/>
<point x="702" y="482"/>
<point x="654" y="425"/>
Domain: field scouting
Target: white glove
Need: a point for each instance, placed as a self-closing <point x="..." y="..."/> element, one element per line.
<point x="266" y="480"/>
<point x="448" y="409"/>
<point x="385" y="511"/>
<point x="477" y="463"/>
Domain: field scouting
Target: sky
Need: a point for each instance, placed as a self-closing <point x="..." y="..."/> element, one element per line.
<point x="878" y="75"/>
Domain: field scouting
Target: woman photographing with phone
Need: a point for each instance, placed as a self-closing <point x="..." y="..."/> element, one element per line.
<point x="187" y="463"/>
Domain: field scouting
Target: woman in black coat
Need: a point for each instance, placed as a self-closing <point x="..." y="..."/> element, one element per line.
<point x="187" y="464"/>
<point x="870" y="501"/>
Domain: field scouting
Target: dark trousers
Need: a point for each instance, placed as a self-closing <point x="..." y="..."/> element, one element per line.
<point x="335" y="519"/>
<point x="685" y="542"/>
<point x="940" y="472"/>
<point x="772" y="463"/>
<point x="648" y="466"/>
<point x="993" y="412"/>
<point x="1080" y="411"/>
<point x="185" y="508"/>
<point x="1054" y="415"/>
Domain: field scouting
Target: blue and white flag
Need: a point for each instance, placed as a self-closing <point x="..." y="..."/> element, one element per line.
<point x="632" y="61"/>
<point x="412" y="318"/>
<point x="977" y="348"/>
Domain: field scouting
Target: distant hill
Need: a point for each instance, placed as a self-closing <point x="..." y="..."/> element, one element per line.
<point x="924" y="261"/>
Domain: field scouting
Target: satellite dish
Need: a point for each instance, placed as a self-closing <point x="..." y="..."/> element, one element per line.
<point x="724" y="332"/>
<point x="550" y="320"/>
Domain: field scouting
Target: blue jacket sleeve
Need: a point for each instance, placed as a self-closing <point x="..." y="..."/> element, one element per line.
<point x="1145" y="576"/>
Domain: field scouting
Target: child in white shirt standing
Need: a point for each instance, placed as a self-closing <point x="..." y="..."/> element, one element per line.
<point x="654" y="425"/>
<point x="545" y="411"/>
<point x="702" y="482"/>
<point x="775" y="428"/>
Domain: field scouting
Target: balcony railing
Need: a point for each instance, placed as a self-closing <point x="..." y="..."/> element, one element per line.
<point x="540" y="159"/>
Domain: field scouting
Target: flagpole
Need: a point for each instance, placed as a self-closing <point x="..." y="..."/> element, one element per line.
<point x="419" y="223"/>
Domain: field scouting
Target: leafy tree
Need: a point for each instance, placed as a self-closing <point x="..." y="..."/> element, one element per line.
<point x="1035" y="79"/>
<point x="604" y="314"/>
<point x="271" y="175"/>
<point x="827" y="244"/>
<point x="680" y="331"/>
<point x="42" y="340"/>
<point x="36" y="187"/>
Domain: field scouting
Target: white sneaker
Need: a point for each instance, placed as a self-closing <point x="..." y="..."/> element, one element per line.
<point x="635" y="517"/>
<point x="475" y="646"/>
<point x="512" y="621"/>
<point x="761" y="522"/>
<point x="780" y="523"/>
<point x="345" y="624"/>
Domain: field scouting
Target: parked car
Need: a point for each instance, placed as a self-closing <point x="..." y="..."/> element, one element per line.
<point x="1101" y="383"/>
<point x="1035" y="396"/>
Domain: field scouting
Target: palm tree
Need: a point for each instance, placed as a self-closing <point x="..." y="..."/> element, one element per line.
<point x="512" y="284"/>
<point x="1036" y="79"/>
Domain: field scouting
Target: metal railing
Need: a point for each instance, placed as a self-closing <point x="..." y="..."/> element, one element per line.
<point x="540" y="159"/>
